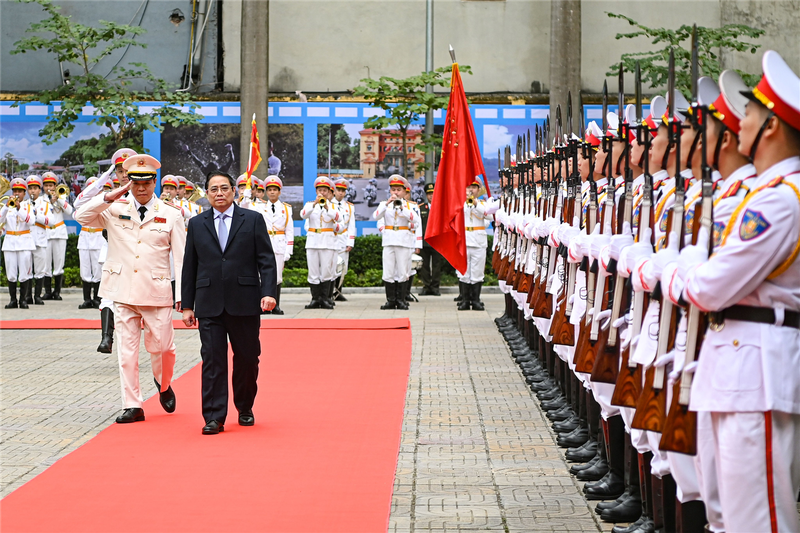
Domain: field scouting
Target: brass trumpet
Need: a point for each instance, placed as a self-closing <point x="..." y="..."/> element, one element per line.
<point x="5" y="186"/>
<point x="62" y="190"/>
<point x="165" y="196"/>
<point x="322" y="202"/>
<point x="197" y="194"/>
<point x="12" y="202"/>
<point x="470" y="200"/>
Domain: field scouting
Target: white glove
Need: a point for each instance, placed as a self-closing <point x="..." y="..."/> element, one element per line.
<point x="597" y="242"/>
<point x="651" y="272"/>
<point x="247" y="193"/>
<point x="492" y="206"/>
<point x="692" y="256"/>
<point x="575" y="251"/>
<point x="671" y="284"/>
<point x="635" y="255"/>
<point x="567" y="233"/>
<point x="620" y="241"/>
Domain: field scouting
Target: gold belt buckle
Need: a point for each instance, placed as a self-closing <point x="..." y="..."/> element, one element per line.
<point x="716" y="322"/>
<point x="395" y="228"/>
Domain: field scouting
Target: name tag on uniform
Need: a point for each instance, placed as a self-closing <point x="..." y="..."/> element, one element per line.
<point x="160" y="220"/>
<point x="125" y="217"/>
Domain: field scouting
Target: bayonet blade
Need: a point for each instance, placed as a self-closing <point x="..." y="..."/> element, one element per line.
<point x="621" y="100"/>
<point x="605" y="107"/>
<point x="695" y="66"/>
<point x="671" y="84"/>
<point x="638" y="88"/>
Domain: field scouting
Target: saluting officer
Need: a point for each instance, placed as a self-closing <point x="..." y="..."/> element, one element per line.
<point x="142" y="231"/>
<point x="346" y="238"/>
<point x="475" y="219"/>
<point x="399" y="240"/>
<point x="90" y="243"/>
<point x="432" y="261"/>
<point x="323" y="221"/>
<point x="278" y="218"/>
<point x="18" y="217"/>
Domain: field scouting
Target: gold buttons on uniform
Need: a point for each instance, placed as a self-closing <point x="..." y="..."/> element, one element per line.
<point x="136" y="271"/>
<point x="736" y="342"/>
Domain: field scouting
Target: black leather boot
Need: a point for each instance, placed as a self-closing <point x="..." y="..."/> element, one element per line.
<point x="107" y="329"/>
<point x="410" y="295"/>
<point x="477" y="304"/>
<point x="314" y="303"/>
<point x="24" y="293"/>
<point x="584" y="453"/>
<point x="12" y="292"/>
<point x="277" y="309"/>
<point x="391" y="302"/>
<point x="37" y="297"/>
<point x="87" y="296"/>
<point x="400" y="295"/>
<point x="59" y="279"/>
<point x="466" y="301"/>
<point x="460" y="296"/>
<point x="339" y="286"/>
<point x="48" y="288"/>
<point x="325" y="301"/>
<point x="628" y="510"/>
<point x="95" y="298"/>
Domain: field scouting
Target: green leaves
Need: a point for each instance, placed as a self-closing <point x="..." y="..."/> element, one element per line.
<point x="710" y="41"/>
<point x="112" y="96"/>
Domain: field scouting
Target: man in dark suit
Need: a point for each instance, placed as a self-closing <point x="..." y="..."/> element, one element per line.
<point x="431" y="271"/>
<point x="229" y="277"/>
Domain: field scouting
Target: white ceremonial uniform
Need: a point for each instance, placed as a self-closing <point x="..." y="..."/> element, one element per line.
<point x="417" y="228"/>
<point x="323" y="223"/>
<point x="136" y="276"/>
<point x="745" y="375"/>
<point x="475" y="219"/>
<point x="398" y="239"/>
<point x="39" y="233"/>
<point x="18" y="243"/>
<point x="278" y="218"/>
<point x="51" y="215"/>
<point x="347" y="236"/>
<point x="89" y="192"/>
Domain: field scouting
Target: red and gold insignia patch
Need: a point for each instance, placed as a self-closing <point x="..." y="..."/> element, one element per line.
<point x="160" y="220"/>
<point x="753" y="224"/>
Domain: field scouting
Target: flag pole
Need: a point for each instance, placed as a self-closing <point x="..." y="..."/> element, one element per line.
<point x="250" y="156"/>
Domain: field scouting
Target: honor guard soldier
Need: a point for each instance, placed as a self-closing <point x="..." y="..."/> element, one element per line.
<point x="259" y="190"/>
<point x="39" y="233"/>
<point x="169" y="189"/>
<point x="181" y="192"/>
<point x="142" y="231"/>
<point x="51" y="214"/>
<point x="475" y="219"/>
<point x="90" y="243"/>
<point x="195" y="208"/>
<point x="747" y="368"/>
<point x="346" y="238"/>
<point x="18" y="217"/>
<point x="244" y="196"/>
<point x="431" y="271"/>
<point x="398" y="241"/>
<point x="416" y="227"/>
<point x="278" y="217"/>
<point x="323" y="221"/>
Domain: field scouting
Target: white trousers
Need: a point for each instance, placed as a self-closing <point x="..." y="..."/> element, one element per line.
<point x="18" y="265"/>
<point x="280" y="260"/>
<point x="321" y="265"/>
<point x="90" y="265"/>
<point x="40" y="262"/>
<point x="54" y="261"/>
<point x="476" y="264"/>
<point x="758" y="467"/>
<point x="396" y="263"/>
<point x="158" y="341"/>
<point x="706" y="469"/>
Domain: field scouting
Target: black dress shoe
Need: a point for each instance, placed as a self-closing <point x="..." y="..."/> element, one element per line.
<point x="246" y="418"/>
<point x="574" y="469"/>
<point x="643" y="525"/>
<point x="596" y="472"/>
<point x="213" y="428"/>
<point x="276" y="310"/>
<point x="570" y="424"/>
<point x="548" y="395"/>
<point x="584" y="453"/>
<point x="554" y="405"/>
<point x="167" y="398"/>
<point x="608" y="488"/>
<point x="574" y="438"/>
<point x="627" y="511"/>
<point x="560" y="415"/>
<point x="131" y="414"/>
<point x="605" y="505"/>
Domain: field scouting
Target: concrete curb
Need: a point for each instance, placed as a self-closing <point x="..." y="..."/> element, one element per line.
<point x="487" y="289"/>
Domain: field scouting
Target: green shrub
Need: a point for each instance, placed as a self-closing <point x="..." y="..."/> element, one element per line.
<point x="295" y="277"/>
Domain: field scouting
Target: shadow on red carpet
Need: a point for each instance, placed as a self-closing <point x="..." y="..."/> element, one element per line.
<point x="321" y="457"/>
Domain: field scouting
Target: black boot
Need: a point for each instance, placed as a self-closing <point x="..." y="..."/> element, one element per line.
<point x="325" y="301"/>
<point x="59" y="279"/>
<point x="29" y="293"/>
<point x="12" y="292"/>
<point x="37" y="297"/>
<point x="314" y="304"/>
<point x="477" y="304"/>
<point x="466" y="300"/>
<point x="277" y="309"/>
<point x="400" y="294"/>
<point x="460" y="296"/>
<point x="24" y="293"/>
<point x="48" y="288"/>
<point x="87" y="296"/>
<point x="391" y="301"/>
<point x="95" y="297"/>
<point x="107" y="328"/>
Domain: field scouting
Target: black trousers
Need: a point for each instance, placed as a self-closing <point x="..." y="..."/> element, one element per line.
<point x="214" y="335"/>
<point x="431" y="271"/>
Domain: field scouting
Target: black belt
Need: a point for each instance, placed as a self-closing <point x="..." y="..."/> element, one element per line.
<point x="760" y="315"/>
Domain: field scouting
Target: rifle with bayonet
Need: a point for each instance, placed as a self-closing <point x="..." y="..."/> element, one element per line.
<point x="680" y="428"/>
<point x="651" y="408"/>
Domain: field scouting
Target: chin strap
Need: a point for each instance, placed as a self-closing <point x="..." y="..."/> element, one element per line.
<point x="758" y="137"/>
<point x="718" y="147"/>
<point x="692" y="149"/>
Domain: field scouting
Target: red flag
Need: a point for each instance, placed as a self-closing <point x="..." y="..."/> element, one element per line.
<point x="461" y="164"/>
<point x="255" y="153"/>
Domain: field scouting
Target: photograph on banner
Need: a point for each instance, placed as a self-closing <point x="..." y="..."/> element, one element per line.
<point x="194" y="151"/>
<point x="366" y="157"/>
<point x="497" y="137"/>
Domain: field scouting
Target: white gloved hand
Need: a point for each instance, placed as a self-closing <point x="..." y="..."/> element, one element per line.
<point x="671" y="284"/>
<point x="567" y="233"/>
<point x="694" y="255"/>
<point x="620" y="241"/>
<point x="597" y="242"/>
<point x="491" y="207"/>
<point x="248" y="193"/>
<point x="586" y="242"/>
<point x="575" y="251"/>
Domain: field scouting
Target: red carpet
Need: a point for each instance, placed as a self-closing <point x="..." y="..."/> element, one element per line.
<point x="321" y="457"/>
<point x="266" y="323"/>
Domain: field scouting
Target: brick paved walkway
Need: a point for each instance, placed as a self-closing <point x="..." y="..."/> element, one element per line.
<point x="476" y="453"/>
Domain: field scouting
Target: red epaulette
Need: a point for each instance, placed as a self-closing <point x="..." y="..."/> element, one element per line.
<point x="172" y="205"/>
<point x="775" y="181"/>
<point x="121" y="200"/>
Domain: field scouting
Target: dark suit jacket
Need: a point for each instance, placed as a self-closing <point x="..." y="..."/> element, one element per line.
<point x="234" y="281"/>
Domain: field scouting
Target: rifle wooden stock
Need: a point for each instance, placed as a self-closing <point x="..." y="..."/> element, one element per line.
<point x="561" y="331"/>
<point x="496" y="259"/>
<point x="591" y="348"/>
<point x="629" y="382"/>
<point x="503" y="270"/>
<point x="606" y="364"/>
<point x="680" y="428"/>
<point x="524" y="282"/>
<point x="511" y="273"/>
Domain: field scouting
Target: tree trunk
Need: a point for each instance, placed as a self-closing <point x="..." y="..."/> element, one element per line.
<point x="565" y="53"/>
<point x="255" y="78"/>
<point x="405" y="154"/>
